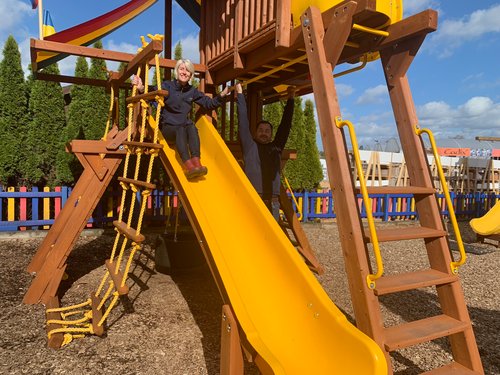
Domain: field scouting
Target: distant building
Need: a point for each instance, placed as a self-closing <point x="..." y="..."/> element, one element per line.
<point x="479" y="148"/>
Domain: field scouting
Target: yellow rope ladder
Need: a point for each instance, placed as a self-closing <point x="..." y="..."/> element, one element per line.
<point x="81" y="321"/>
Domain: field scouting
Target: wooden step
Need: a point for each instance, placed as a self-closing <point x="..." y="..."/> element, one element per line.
<point x="415" y="190"/>
<point x="144" y="184"/>
<point x="56" y="339"/>
<point x="412" y="280"/>
<point x="142" y="144"/>
<point x="98" y="330"/>
<point x="117" y="278"/>
<point x="453" y="368"/>
<point x="130" y="233"/>
<point x="147" y="97"/>
<point x="419" y="331"/>
<point x="404" y="233"/>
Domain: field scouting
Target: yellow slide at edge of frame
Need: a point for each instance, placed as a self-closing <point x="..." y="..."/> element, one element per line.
<point x="282" y="309"/>
<point x="489" y="223"/>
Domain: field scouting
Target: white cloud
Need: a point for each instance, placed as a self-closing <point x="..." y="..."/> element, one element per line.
<point x="190" y="47"/>
<point x="453" y="33"/>
<point x="24" y="49"/>
<point x="14" y="20"/>
<point x="477" y="116"/>
<point x="13" y="14"/>
<point x="414" y="6"/>
<point x="67" y="66"/>
<point x="344" y="90"/>
<point x="373" y="95"/>
<point x="477" y="106"/>
<point x="122" y="47"/>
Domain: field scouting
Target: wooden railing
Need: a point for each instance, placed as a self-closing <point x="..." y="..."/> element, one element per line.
<point x="232" y="27"/>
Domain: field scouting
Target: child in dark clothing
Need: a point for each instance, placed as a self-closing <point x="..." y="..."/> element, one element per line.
<point x="262" y="153"/>
<point x="174" y="120"/>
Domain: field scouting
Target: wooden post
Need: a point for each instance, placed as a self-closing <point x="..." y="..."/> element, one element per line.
<point x="283" y="23"/>
<point x="231" y="357"/>
<point x="364" y="301"/>
<point x="167" y="41"/>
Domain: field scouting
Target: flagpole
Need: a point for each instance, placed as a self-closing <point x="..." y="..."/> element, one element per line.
<point x="40" y="19"/>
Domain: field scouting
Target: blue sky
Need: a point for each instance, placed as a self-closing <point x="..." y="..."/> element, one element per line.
<point x="454" y="78"/>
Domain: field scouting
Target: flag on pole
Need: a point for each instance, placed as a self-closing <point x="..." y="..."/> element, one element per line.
<point x="48" y="25"/>
<point x="34" y="4"/>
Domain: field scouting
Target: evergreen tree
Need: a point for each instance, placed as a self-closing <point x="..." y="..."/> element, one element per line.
<point x="122" y="104"/>
<point x="98" y="101"/>
<point x="44" y="136"/>
<point x="312" y="170"/>
<point x="13" y="113"/>
<point x="273" y="113"/>
<point x="68" y="167"/>
<point x="178" y="51"/>
<point x="292" y="170"/>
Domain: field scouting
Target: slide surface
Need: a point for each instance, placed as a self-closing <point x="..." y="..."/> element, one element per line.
<point x="282" y="309"/>
<point x="489" y="223"/>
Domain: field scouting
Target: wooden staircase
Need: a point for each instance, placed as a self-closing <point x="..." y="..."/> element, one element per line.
<point x="396" y="51"/>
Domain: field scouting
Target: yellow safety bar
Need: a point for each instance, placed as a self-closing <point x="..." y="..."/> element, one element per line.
<point x="299" y="208"/>
<point x="454" y="265"/>
<point x="369" y="30"/>
<point x="370" y="279"/>
<point x="274" y="70"/>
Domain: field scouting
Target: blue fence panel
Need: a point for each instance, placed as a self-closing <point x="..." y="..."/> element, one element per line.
<point x="315" y="205"/>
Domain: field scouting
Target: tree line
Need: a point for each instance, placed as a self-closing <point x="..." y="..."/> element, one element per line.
<point x="36" y="124"/>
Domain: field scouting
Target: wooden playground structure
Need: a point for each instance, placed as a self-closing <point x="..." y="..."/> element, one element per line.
<point x="463" y="175"/>
<point x="266" y="44"/>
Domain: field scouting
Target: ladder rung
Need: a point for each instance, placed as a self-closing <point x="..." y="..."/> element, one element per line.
<point x="285" y="224"/>
<point x="56" y="339"/>
<point x="142" y="144"/>
<point x="412" y="280"/>
<point x="410" y="233"/>
<point x="117" y="278"/>
<point x="144" y="184"/>
<point x="130" y="233"/>
<point x="453" y="368"/>
<point x="415" y="190"/>
<point x="419" y="331"/>
<point x="96" y="316"/>
<point x="149" y="96"/>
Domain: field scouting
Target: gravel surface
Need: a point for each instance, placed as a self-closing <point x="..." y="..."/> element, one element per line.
<point x="169" y="324"/>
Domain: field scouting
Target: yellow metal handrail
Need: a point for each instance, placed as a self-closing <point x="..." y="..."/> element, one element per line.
<point x="369" y="30"/>
<point x="299" y="208"/>
<point x="370" y="279"/>
<point x="454" y="265"/>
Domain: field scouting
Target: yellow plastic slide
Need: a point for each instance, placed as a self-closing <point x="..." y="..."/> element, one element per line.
<point x="489" y="223"/>
<point x="282" y="309"/>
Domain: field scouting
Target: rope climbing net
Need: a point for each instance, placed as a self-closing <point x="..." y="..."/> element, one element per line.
<point x="141" y="148"/>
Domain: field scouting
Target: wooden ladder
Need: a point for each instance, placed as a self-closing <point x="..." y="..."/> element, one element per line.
<point x="396" y="51"/>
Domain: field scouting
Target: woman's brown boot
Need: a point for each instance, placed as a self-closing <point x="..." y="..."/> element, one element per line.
<point x="190" y="169"/>
<point x="200" y="169"/>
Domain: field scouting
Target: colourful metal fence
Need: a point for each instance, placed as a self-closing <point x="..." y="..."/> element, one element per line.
<point x="320" y="205"/>
<point x="23" y="209"/>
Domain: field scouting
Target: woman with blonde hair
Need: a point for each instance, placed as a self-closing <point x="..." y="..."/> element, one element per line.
<point x="175" y="122"/>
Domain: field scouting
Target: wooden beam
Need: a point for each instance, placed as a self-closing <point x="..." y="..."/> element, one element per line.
<point x="338" y="31"/>
<point x="490" y="139"/>
<point x="69" y="49"/>
<point x="72" y="80"/>
<point x="167" y="42"/>
<point x="283" y="23"/>
<point x="339" y="170"/>
<point x="231" y="357"/>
